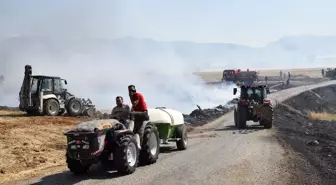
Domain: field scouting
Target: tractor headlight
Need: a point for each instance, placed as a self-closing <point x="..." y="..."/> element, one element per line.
<point x="73" y="147"/>
<point x="70" y="141"/>
<point x="86" y="147"/>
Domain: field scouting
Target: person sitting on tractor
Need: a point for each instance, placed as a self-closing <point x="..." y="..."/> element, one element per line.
<point x="139" y="110"/>
<point x="121" y="112"/>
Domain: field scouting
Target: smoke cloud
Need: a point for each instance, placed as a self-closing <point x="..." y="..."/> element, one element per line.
<point x="101" y="69"/>
<point x="86" y="43"/>
<point x="2" y="78"/>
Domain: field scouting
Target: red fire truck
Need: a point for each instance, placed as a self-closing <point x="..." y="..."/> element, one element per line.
<point x="247" y="77"/>
<point x="230" y="75"/>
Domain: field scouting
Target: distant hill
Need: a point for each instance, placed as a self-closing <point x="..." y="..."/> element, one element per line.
<point x="289" y="51"/>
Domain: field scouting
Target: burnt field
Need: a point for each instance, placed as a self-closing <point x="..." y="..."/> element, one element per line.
<point x="201" y="116"/>
<point x="307" y="124"/>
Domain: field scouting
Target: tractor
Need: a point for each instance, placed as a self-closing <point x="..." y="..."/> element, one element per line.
<point x="253" y="105"/>
<point x="109" y="142"/>
<point x="46" y="95"/>
<point x="247" y="77"/>
<point x="330" y="73"/>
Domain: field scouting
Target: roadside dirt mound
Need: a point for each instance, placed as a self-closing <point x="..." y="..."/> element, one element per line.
<point x="30" y="144"/>
<point x="301" y="123"/>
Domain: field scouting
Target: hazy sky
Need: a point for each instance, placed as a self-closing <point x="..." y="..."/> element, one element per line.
<point x="250" y="22"/>
<point x="68" y="26"/>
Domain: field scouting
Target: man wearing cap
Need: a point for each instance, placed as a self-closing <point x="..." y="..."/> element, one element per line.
<point x="139" y="106"/>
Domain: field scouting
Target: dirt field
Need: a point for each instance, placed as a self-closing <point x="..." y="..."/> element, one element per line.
<point x="31" y="146"/>
<point x="307" y="124"/>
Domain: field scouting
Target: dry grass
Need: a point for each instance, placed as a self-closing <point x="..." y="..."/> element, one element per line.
<point x="217" y="75"/>
<point x="321" y="116"/>
<point x="30" y="145"/>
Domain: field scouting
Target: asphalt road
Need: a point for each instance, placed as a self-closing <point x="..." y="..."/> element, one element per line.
<point x="217" y="154"/>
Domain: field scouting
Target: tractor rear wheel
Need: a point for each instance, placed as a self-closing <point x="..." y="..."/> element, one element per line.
<point x="235" y="117"/>
<point x="268" y="112"/>
<point x="51" y="107"/>
<point x="150" y="148"/>
<point x="242" y="117"/>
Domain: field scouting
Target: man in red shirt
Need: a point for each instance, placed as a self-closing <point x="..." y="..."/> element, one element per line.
<point x="137" y="100"/>
<point x="139" y="109"/>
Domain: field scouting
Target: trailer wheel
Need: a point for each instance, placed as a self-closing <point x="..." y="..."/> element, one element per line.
<point x="51" y="107"/>
<point x="181" y="133"/>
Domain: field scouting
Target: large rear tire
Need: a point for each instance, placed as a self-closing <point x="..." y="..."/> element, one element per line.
<point x="75" y="107"/>
<point x="268" y="123"/>
<point x="51" y="107"/>
<point x="126" y="155"/>
<point x="76" y="167"/>
<point x="235" y="117"/>
<point x="242" y="117"/>
<point x="150" y="148"/>
<point x="181" y="134"/>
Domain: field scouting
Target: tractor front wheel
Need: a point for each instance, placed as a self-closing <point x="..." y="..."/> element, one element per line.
<point x="74" y="107"/>
<point x="126" y="155"/>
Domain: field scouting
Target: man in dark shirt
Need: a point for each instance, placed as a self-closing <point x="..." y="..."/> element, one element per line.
<point x="139" y="110"/>
<point x="121" y="112"/>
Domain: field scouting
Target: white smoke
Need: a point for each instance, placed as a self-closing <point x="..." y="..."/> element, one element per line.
<point x="102" y="71"/>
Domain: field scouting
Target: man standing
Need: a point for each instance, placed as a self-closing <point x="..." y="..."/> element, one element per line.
<point x="322" y="71"/>
<point x="121" y="112"/>
<point x="139" y="109"/>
